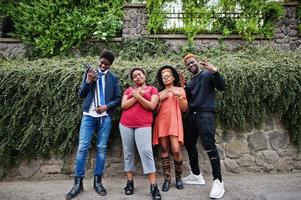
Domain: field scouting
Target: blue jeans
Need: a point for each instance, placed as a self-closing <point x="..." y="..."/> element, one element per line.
<point x="88" y="125"/>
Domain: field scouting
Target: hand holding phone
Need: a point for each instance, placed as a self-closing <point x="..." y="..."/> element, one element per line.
<point x="91" y="73"/>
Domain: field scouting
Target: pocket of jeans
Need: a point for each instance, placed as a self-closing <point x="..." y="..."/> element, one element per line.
<point x="209" y="117"/>
<point x="107" y="119"/>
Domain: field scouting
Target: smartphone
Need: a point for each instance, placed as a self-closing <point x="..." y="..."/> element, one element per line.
<point x="88" y="66"/>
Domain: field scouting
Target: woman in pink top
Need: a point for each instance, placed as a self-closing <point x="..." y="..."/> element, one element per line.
<point x="168" y="130"/>
<point x="138" y="103"/>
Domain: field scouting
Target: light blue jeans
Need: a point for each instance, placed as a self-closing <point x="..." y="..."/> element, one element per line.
<point x="88" y="125"/>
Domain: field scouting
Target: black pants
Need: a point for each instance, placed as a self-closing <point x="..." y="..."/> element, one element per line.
<point x="202" y="124"/>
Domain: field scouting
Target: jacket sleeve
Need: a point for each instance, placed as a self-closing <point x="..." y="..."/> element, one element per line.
<point x="218" y="81"/>
<point x="85" y="87"/>
<point x="117" y="95"/>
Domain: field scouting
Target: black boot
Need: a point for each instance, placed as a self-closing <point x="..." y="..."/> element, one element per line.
<point x="129" y="188"/>
<point x="98" y="186"/>
<point x="155" y="192"/>
<point x="167" y="173"/>
<point x="178" y="172"/>
<point x="166" y="185"/>
<point x="179" y="183"/>
<point x="76" y="189"/>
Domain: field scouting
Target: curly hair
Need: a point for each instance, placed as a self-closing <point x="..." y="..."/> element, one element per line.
<point x="175" y="74"/>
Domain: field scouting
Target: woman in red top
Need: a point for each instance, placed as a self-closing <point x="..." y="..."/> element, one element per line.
<point x="138" y="103"/>
<point x="168" y="130"/>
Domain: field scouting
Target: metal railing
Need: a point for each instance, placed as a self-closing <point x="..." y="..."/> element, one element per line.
<point x="175" y="21"/>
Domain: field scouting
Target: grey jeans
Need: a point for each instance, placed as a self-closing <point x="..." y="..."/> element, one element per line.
<point x="142" y="138"/>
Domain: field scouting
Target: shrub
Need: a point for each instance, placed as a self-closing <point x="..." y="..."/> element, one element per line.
<point x="140" y="48"/>
<point x="52" y="27"/>
<point x="40" y="110"/>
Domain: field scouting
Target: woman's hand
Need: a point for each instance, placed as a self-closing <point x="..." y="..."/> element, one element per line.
<point x="138" y="92"/>
<point x="175" y="92"/>
<point x="135" y="93"/>
<point x="164" y="95"/>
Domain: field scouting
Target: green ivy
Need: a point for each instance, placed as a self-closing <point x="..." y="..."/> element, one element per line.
<point x="108" y="26"/>
<point x="256" y="17"/>
<point x="53" y="26"/>
<point x="197" y="18"/>
<point x="157" y="16"/>
<point x="138" y="49"/>
<point x="40" y="110"/>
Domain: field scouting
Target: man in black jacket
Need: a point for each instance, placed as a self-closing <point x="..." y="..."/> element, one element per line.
<point x="200" y="92"/>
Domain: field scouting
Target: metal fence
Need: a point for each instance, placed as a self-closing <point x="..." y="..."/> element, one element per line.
<point x="175" y="21"/>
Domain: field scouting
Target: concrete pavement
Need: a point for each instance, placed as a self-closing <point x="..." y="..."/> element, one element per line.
<point x="246" y="186"/>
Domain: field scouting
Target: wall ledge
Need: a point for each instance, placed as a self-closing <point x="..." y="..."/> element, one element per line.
<point x="199" y="36"/>
<point x="10" y="40"/>
<point x="290" y="3"/>
<point x="114" y="39"/>
<point x="134" y="5"/>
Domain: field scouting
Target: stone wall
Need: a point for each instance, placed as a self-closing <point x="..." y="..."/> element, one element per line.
<point x="134" y="20"/>
<point x="263" y="150"/>
<point x="286" y="37"/>
<point x="1" y="25"/>
<point x="204" y="42"/>
<point x="11" y="48"/>
<point x="286" y="34"/>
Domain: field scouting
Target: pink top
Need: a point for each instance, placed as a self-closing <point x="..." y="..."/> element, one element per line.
<point x="169" y="119"/>
<point x="137" y="116"/>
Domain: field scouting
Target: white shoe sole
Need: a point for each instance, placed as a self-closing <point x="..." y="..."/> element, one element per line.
<point x="193" y="183"/>
<point x="218" y="197"/>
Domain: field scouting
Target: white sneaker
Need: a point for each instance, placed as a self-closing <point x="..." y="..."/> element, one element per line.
<point x="217" y="190"/>
<point x="193" y="179"/>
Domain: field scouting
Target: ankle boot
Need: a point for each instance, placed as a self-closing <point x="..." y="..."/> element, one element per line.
<point x="76" y="189"/>
<point x="179" y="183"/>
<point x="178" y="172"/>
<point x="98" y="186"/>
<point x="155" y="192"/>
<point x="166" y="185"/>
<point x="129" y="188"/>
<point x="167" y="173"/>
